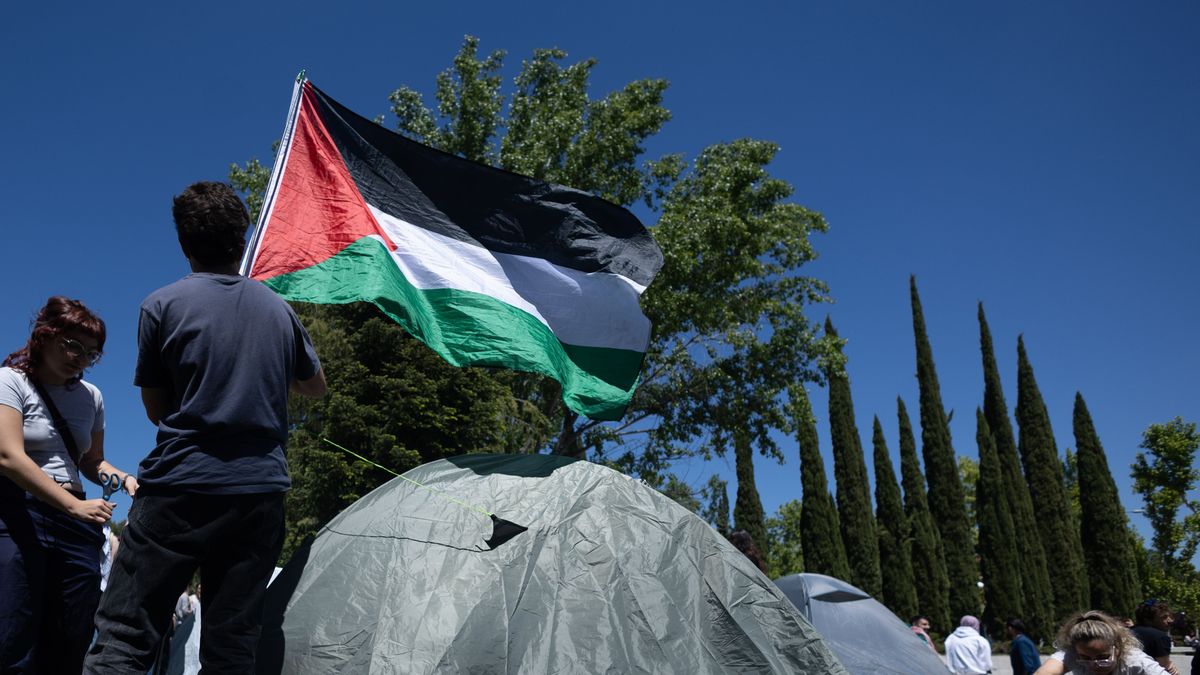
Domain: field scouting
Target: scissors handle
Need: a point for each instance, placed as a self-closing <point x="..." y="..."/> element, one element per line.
<point x="111" y="483"/>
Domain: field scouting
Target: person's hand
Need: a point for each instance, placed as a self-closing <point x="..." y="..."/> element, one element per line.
<point x="130" y="484"/>
<point x="94" y="511"/>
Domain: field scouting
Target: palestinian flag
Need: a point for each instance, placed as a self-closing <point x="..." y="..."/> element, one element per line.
<point x="486" y="267"/>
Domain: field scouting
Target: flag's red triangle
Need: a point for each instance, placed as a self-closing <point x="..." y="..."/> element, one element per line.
<point x="318" y="209"/>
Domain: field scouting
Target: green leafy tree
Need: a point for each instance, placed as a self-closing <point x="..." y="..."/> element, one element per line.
<point x="968" y="475"/>
<point x="748" y="512"/>
<point x="784" y="550"/>
<point x="716" y="510"/>
<point x="820" y="538"/>
<point x="946" y="501"/>
<point x="1104" y="527"/>
<point x="1043" y="472"/>
<point x="899" y="592"/>
<point x="681" y="493"/>
<point x="725" y="228"/>
<point x="853" y="490"/>
<point x="928" y="559"/>
<point x="1036" y="598"/>
<point x="1165" y="475"/>
<point x="998" y="561"/>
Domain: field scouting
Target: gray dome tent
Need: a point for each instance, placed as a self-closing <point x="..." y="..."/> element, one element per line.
<point x="866" y="636"/>
<point x="610" y="577"/>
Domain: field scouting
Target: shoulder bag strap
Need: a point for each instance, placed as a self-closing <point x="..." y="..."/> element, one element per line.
<point x="64" y="431"/>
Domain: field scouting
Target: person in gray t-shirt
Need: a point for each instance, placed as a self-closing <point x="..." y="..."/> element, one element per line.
<point x="50" y="537"/>
<point x="217" y="355"/>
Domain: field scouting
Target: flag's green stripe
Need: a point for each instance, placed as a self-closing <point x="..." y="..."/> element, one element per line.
<point x="469" y="329"/>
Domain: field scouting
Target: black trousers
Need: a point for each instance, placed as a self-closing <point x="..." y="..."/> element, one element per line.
<point x="234" y="540"/>
<point x="49" y="585"/>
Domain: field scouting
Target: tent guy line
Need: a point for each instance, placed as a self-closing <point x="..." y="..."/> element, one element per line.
<point x="502" y="530"/>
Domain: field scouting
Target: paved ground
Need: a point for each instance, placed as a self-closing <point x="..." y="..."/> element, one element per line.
<point x="1180" y="655"/>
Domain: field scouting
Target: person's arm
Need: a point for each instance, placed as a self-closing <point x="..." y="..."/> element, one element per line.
<point x="93" y="463"/>
<point x="157" y="403"/>
<point x="1167" y="664"/>
<point x="1052" y="666"/>
<point x="16" y="465"/>
<point x="313" y="387"/>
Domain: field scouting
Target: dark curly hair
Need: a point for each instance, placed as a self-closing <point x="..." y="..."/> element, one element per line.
<point x="60" y="315"/>
<point x="1152" y="612"/>
<point x="211" y="223"/>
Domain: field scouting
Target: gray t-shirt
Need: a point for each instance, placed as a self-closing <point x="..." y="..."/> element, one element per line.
<point x="224" y="349"/>
<point x="81" y="405"/>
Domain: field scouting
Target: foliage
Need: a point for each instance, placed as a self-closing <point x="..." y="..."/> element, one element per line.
<point x="892" y="529"/>
<point x="946" y="501"/>
<point x="748" y="512"/>
<point x="853" y="489"/>
<point x="928" y="560"/>
<point x="998" y="562"/>
<point x="784" y="550"/>
<point x="1165" y="475"/>
<point x="1107" y="551"/>
<point x="716" y="509"/>
<point x="819" y="535"/>
<point x="726" y="233"/>
<point x="681" y="493"/>
<point x="1036" y="597"/>
<point x="968" y="475"/>
<point x="1043" y="472"/>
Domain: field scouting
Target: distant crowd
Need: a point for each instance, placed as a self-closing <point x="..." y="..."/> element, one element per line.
<point x="1087" y="642"/>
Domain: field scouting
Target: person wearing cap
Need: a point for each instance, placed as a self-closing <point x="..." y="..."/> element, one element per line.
<point x="968" y="652"/>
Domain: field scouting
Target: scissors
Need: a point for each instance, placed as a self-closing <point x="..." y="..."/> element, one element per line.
<point x="111" y="482"/>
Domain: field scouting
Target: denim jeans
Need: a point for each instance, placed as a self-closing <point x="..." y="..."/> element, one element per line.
<point x="234" y="540"/>
<point x="49" y="585"/>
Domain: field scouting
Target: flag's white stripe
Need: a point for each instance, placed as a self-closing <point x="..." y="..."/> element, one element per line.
<point x="586" y="309"/>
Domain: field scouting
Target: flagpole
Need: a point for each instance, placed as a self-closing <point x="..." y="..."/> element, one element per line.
<point x="281" y="157"/>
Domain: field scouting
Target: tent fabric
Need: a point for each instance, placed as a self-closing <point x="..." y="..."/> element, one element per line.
<point x="611" y="577"/>
<point x="864" y="634"/>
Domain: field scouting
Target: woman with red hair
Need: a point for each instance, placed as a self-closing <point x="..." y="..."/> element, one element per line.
<point x="51" y="437"/>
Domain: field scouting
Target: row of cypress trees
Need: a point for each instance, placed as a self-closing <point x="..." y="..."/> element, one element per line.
<point x="916" y="552"/>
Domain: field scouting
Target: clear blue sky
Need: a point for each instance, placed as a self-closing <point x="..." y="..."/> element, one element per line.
<point x="1041" y="157"/>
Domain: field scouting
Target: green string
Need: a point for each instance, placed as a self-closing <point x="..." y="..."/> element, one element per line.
<point x="436" y="492"/>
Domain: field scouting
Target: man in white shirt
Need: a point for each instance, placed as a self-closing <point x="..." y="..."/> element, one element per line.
<point x="968" y="652"/>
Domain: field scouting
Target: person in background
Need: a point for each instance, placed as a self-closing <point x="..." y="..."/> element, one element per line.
<point x="1023" y="653"/>
<point x="742" y="540"/>
<point x="1152" y="627"/>
<point x="1094" y="643"/>
<point x="218" y="354"/>
<point x="51" y="438"/>
<point x="968" y="652"/>
<point x="920" y="628"/>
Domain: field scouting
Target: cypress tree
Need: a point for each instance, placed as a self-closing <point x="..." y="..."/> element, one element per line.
<point x="899" y="593"/>
<point x="853" y="489"/>
<point x="1043" y="473"/>
<point x="1037" y="600"/>
<point x="819" y="538"/>
<point x="748" y="512"/>
<point x="998" y="561"/>
<point x="1107" y="550"/>
<point x="947" y="504"/>
<point x="928" y="561"/>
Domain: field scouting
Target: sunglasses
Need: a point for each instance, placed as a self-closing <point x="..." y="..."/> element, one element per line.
<point x="76" y="350"/>
<point x="1101" y="662"/>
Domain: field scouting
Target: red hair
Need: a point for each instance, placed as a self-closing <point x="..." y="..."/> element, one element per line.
<point x="60" y="315"/>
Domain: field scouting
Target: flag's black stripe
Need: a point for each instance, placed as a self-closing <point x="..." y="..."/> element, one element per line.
<point x="489" y="207"/>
